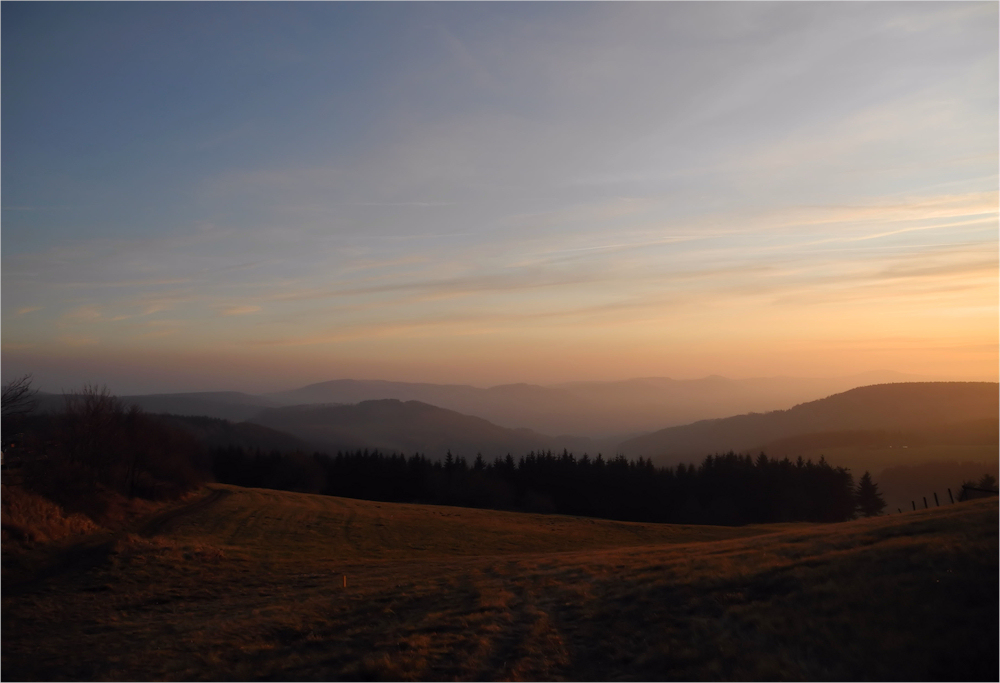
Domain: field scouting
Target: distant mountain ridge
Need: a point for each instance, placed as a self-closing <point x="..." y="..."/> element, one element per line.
<point x="912" y="406"/>
<point x="607" y="411"/>
<point x="593" y="409"/>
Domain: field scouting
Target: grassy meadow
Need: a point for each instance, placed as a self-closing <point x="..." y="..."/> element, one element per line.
<point x="877" y="458"/>
<point x="237" y="584"/>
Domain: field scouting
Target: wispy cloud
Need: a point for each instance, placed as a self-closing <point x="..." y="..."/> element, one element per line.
<point x="239" y="310"/>
<point x="84" y="313"/>
<point x="78" y="340"/>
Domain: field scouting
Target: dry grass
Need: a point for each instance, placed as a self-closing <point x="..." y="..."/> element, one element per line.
<point x="314" y="528"/>
<point x="250" y="586"/>
<point x="29" y="519"/>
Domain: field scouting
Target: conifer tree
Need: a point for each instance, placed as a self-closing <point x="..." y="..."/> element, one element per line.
<point x="869" y="500"/>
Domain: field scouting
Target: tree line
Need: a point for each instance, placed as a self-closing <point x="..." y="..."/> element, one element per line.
<point x="723" y="489"/>
<point x="97" y="447"/>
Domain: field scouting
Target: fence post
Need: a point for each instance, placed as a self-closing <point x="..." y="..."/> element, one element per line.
<point x="951" y="497"/>
<point x="914" y="505"/>
<point x="925" y="502"/>
<point x="899" y="511"/>
<point x="936" y="503"/>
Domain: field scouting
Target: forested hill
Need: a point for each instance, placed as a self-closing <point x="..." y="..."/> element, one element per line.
<point x="407" y="427"/>
<point x="908" y="406"/>
<point x="228" y="405"/>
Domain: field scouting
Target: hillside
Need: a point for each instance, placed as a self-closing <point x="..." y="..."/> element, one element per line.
<point x="406" y="427"/>
<point x="904" y="485"/>
<point x="921" y="408"/>
<point x="213" y="432"/>
<point x="262" y="585"/>
<point x="981" y="432"/>
<point x="226" y="405"/>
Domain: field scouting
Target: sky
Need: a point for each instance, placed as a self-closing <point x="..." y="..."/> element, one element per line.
<point x="256" y="196"/>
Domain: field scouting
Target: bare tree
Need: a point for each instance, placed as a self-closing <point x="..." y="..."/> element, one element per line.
<point x="92" y="422"/>
<point x="18" y="397"/>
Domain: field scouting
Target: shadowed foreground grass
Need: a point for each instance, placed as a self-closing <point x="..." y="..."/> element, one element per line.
<point x="249" y="584"/>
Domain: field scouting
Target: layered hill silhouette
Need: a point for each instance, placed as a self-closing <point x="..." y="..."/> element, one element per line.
<point x="606" y="411"/>
<point x="406" y="427"/>
<point x="858" y="429"/>
<point x="593" y="409"/>
<point x="945" y="411"/>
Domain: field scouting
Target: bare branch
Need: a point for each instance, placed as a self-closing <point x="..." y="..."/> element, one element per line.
<point x="18" y="397"/>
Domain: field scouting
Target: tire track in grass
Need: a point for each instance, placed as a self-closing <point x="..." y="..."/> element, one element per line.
<point x="380" y="525"/>
<point x="352" y="515"/>
<point x="168" y="520"/>
<point x="241" y="523"/>
<point x="529" y="646"/>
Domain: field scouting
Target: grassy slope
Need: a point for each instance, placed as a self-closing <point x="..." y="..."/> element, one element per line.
<point x="313" y="528"/>
<point x="248" y="584"/>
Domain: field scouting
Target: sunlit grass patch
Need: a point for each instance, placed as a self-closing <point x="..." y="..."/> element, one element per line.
<point x="327" y="529"/>
<point x="29" y="518"/>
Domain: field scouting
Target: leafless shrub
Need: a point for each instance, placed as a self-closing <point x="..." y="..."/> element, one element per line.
<point x="18" y="400"/>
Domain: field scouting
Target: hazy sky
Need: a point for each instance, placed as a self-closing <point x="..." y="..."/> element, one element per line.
<point x="256" y="196"/>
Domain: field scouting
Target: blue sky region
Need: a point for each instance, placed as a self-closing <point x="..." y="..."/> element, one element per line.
<point x="252" y="196"/>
